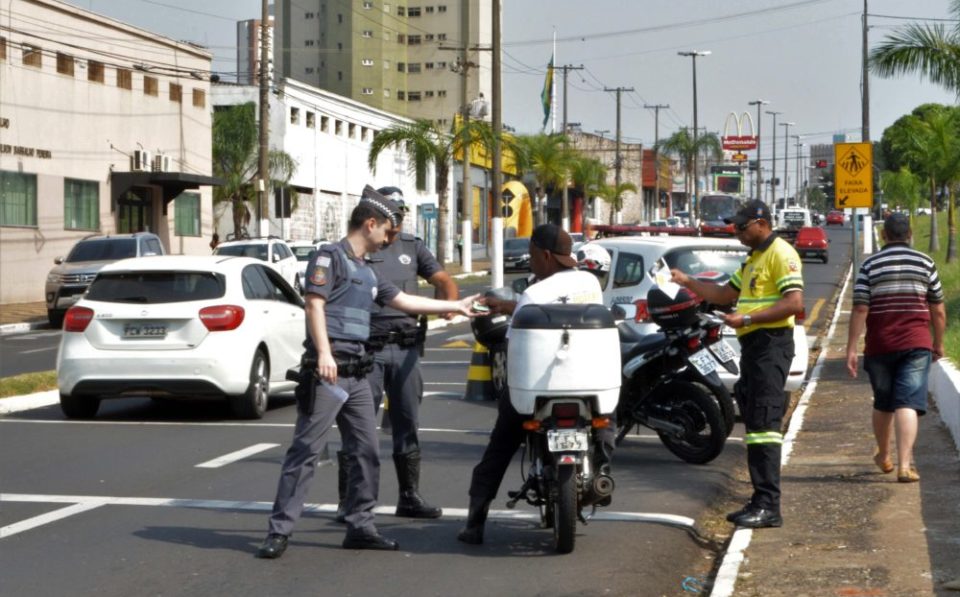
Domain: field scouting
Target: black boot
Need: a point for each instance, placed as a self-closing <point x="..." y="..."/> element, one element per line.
<point x="476" y="518"/>
<point x="410" y="504"/>
<point x="343" y="473"/>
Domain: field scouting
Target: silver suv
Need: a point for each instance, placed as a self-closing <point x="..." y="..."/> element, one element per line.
<point x="69" y="279"/>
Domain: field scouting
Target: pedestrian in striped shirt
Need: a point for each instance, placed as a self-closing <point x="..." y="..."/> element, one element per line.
<point x="897" y="298"/>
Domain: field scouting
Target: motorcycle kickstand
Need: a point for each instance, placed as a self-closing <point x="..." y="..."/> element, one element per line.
<point x="516" y="496"/>
<point x="585" y="519"/>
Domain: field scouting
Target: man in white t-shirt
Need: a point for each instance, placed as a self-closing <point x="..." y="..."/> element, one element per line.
<point x="557" y="281"/>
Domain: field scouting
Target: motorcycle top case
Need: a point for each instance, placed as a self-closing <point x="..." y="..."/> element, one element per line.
<point x="673" y="312"/>
<point x="563" y="350"/>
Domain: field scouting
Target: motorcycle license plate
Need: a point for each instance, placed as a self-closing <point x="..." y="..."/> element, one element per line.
<point x="566" y="440"/>
<point x="703" y="361"/>
<point x="723" y="351"/>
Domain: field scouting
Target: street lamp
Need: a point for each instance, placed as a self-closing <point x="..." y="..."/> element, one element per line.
<point x="786" y="160"/>
<point x="693" y="54"/>
<point x="773" y="163"/>
<point x="759" y="103"/>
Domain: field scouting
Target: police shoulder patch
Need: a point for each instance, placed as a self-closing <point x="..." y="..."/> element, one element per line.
<point x="319" y="275"/>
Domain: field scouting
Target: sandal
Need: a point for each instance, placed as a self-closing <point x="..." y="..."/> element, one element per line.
<point x="909" y="475"/>
<point x="885" y="465"/>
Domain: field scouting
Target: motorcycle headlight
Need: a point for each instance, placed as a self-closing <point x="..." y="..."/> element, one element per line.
<point x="54" y="278"/>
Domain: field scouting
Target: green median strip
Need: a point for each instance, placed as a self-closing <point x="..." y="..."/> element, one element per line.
<point x="28" y="383"/>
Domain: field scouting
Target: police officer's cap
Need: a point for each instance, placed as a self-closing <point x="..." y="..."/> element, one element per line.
<point x="396" y="195"/>
<point x="387" y="207"/>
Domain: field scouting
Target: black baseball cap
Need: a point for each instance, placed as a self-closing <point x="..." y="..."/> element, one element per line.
<point x="387" y="207"/>
<point x="396" y="194"/>
<point x="754" y="210"/>
<point x="550" y="237"/>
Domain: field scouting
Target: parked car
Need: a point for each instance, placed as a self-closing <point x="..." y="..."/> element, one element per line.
<point x="635" y="259"/>
<point x="516" y="253"/>
<point x="181" y="327"/>
<point x="684" y="218"/>
<point x="835" y="218"/>
<point x="71" y="276"/>
<point x="303" y="250"/>
<point x="812" y="241"/>
<point x="272" y="250"/>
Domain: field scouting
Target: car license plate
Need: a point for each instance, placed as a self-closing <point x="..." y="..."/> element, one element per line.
<point x="703" y="361"/>
<point x="566" y="440"/>
<point x="723" y="351"/>
<point x="144" y="330"/>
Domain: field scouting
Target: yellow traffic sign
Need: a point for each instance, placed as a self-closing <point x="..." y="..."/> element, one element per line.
<point x="853" y="175"/>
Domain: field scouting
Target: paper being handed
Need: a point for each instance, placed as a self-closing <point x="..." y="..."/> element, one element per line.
<point x="661" y="276"/>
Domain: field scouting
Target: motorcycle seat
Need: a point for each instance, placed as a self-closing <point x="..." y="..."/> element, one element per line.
<point x="641" y="344"/>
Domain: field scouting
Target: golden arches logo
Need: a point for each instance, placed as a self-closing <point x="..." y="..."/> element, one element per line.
<point x="740" y="141"/>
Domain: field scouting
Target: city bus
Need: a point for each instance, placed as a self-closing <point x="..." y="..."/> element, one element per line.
<point x="714" y="208"/>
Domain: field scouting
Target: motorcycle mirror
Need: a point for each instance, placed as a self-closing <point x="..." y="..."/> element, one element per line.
<point x="623" y="311"/>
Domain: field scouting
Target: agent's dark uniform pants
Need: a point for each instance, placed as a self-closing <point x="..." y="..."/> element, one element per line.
<point x="357" y="423"/>
<point x="765" y="357"/>
<point x="397" y="370"/>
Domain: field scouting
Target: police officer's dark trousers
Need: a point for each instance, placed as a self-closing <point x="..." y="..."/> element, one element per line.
<point x="765" y="358"/>
<point x="357" y="423"/>
<point x="396" y="370"/>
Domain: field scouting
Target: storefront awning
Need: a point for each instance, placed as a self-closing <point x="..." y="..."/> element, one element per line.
<point x="170" y="183"/>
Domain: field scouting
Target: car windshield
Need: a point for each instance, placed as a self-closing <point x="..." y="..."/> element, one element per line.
<point x="254" y="251"/>
<point x="110" y="249"/>
<point x="303" y="253"/>
<point x="698" y="262"/>
<point x="156" y="287"/>
<point x="516" y="244"/>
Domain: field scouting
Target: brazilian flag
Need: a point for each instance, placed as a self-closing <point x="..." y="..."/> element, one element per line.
<point x="546" y="96"/>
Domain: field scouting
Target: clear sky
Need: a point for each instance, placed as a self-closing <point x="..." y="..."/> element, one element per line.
<point x="801" y="55"/>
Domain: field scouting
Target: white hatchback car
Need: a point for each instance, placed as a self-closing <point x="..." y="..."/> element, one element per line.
<point x="272" y="250"/>
<point x="181" y="327"/>
<point x="634" y="258"/>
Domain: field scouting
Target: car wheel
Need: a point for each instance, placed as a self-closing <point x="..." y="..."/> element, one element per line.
<point x="55" y="317"/>
<point x="253" y="403"/>
<point x="79" y="407"/>
<point x="825" y="258"/>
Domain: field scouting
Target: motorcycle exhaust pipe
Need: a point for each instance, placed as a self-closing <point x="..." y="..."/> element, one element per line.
<point x="603" y="485"/>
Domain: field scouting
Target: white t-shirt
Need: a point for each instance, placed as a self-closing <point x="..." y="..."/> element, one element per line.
<point x="566" y="286"/>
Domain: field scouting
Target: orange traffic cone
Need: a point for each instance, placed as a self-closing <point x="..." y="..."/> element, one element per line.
<point x="479" y="375"/>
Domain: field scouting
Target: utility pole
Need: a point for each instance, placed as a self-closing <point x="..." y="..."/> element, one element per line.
<point x="565" y="204"/>
<point x="696" y="153"/>
<point x="786" y="156"/>
<point x="865" y="126"/>
<point x="796" y="192"/>
<point x="497" y="112"/>
<point x="758" y="103"/>
<point x="617" y="161"/>
<point x="656" y="151"/>
<point x="263" y="167"/>
<point x="773" y="164"/>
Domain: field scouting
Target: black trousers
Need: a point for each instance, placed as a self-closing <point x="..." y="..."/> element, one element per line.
<point x="765" y="357"/>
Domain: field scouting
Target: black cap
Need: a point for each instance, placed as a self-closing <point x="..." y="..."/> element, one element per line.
<point x="753" y="210"/>
<point x="550" y="237"/>
<point x="397" y="195"/>
<point x="897" y="226"/>
<point x="388" y="207"/>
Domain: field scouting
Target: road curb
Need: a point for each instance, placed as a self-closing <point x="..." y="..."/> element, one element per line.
<point x="19" y="328"/>
<point x="15" y="404"/>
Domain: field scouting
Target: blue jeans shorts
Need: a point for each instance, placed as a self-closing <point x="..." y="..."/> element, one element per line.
<point x="899" y="379"/>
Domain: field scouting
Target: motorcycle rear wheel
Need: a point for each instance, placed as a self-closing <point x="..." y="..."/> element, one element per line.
<point x="565" y="510"/>
<point x="690" y="406"/>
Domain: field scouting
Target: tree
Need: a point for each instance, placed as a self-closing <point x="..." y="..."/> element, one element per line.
<point x="901" y="188"/>
<point x="817" y="199"/>
<point x="589" y="175"/>
<point x="235" y="160"/>
<point x="682" y="145"/>
<point x="613" y="194"/>
<point x="544" y="156"/>
<point x="932" y="51"/>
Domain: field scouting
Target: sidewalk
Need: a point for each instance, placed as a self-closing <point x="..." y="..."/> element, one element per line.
<point x="850" y="530"/>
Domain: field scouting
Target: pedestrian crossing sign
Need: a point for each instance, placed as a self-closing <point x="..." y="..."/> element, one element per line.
<point x="853" y="175"/>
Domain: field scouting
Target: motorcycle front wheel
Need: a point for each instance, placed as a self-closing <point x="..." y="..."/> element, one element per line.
<point x="697" y="413"/>
<point x="565" y="510"/>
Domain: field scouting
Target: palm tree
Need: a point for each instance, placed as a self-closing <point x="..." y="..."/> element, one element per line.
<point x="931" y="51"/>
<point x="682" y="145"/>
<point x="902" y="188"/>
<point x="589" y="175"/>
<point x="613" y="194"/>
<point x="544" y="156"/>
<point x="235" y="160"/>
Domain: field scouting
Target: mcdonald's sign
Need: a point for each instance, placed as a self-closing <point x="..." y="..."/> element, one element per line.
<point x="738" y="142"/>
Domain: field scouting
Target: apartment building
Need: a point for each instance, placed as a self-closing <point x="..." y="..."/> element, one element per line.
<point x="249" y="35"/>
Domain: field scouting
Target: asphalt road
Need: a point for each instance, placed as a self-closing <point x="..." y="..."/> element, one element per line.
<point x="137" y="502"/>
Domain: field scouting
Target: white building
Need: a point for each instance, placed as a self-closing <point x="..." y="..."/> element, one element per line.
<point x="104" y="128"/>
<point x="329" y="137"/>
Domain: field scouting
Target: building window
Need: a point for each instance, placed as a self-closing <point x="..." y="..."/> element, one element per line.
<point x="32" y="56"/>
<point x="339" y="18"/>
<point x="428" y="65"/>
<point x="18" y="199"/>
<point x="429" y="9"/>
<point x="176" y="93"/>
<point x="441" y="65"/>
<point x="367" y="5"/>
<point x="294" y="115"/>
<point x="413" y="96"/>
<point x="186" y="210"/>
<point x="199" y="98"/>
<point x="367" y="62"/>
<point x="150" y="86"/>
<point x="386" y="8"/>
<point x="402" y="67"/>
<point x="95" y="71"/>
<point x="413" y="11"/>
<point x="428" y="37"/>
<point x="323" y="64"/>
<point x="413" y="67"/>
<point x="401" y="38"/>
<point x="338" y="127"/>
<point x="413" y="40"/>
<point x="352" y="131"/>
<point x="339" y="46"/>
<point x="401" y="95"/>
<point x="309" y="15"/>
<point x="442" y="36"/>
<point x="401" y="11"/>
<point x="364" y="133"/>
<point x="3" y="48"/>
<point x="308" y="42"/>
<point x="325" y="124"/>
<point x="367" y="91"/>
<point x="367" y="33"/>
<point x="427" y="94"/>
<point x="81" y="204"/>
<point x="339" y="75"/>
<point x="124" y="78"/>
<point x="309" y="70"/>
<point x="441" y="8"/>
<point x="311" y="120"/>
<point x="442" y="93"/>
<point x="386" y="92"/>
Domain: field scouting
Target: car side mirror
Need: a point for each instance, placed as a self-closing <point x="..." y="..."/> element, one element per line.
<point x="58" y="260"/>
<point x="520" y="285"/>
<point x="275" y="257"/>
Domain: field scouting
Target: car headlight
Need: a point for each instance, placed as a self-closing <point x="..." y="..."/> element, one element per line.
<point x="54" y="278"/>
<point x="525" y="256"/>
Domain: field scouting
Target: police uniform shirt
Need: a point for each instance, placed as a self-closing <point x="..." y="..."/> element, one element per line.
<point x="771" y="270"/>
<point x="406" y="259"/>
<point x="326" y="272"/>
<point x="566" y="286"/>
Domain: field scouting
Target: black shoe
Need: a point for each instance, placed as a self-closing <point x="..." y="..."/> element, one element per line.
<point x="759" y="518"/>
<point x="368" y="541"/>
<point x="273" y="546"/>
<point x="733" y="516"/>
<point x="471" y="535"/>
<point x="411" y="505"/>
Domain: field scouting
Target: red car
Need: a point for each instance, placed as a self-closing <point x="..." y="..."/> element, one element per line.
<point x="812" y="241"/>
<point x="835" y="217"/>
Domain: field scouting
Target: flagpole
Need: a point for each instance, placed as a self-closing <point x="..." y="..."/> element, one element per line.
<point x="553" y="87"/>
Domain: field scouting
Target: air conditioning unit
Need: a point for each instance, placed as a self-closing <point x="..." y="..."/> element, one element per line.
<point x="140" y="161"/>
<point x="161" y="163"/>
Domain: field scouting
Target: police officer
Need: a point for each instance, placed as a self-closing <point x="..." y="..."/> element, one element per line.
<point x="768" y="290"/>
<point x="341" y="290"/>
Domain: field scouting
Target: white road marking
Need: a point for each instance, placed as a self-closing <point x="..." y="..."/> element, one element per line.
<point x="235" y="456"/>
<point x="444" y="362"/>
<point x="39" y="350"/>
<point x="59" y="514"/>
<point x="444" y="383"/>
<point x="81" y="503"/>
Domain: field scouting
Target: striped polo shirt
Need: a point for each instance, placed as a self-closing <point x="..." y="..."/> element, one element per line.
<point x="898" y="284"/>
<point x="771" y="270"/>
